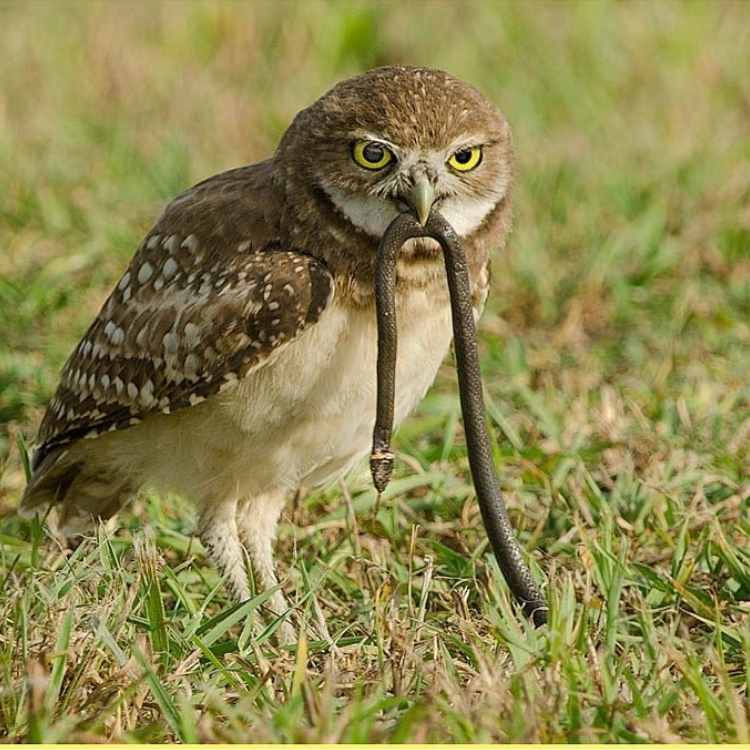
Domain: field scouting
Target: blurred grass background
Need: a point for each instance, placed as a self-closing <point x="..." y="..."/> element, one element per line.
<point x="615" y="353"/>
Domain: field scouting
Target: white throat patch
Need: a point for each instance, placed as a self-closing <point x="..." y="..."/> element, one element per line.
<point x="466" y="215"/>
<point x="367" y="212"/>
<point x="372" y="214"/>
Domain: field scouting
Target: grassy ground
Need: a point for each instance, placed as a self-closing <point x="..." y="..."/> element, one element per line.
<point x="615" y="348"/>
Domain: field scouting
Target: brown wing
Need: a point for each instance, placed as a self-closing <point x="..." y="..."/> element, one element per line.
<point x="198" y="308"/>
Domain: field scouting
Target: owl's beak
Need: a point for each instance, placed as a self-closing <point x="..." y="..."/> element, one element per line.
<point x="421" y="197"/>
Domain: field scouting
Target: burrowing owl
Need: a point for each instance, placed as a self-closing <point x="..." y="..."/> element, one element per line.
<point x="235" y="359"/>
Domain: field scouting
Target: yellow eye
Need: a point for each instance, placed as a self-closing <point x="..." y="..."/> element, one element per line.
<point x="466" y="159"/>
<point x="371" y="154"/>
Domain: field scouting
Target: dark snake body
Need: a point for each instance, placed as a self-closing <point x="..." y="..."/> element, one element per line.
<point x="495" y="517"/>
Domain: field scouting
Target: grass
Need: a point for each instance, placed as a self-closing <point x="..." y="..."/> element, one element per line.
<point x="615" y="348"/>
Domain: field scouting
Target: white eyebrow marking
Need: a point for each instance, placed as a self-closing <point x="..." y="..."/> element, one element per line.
<point x="465" y="140"/>
<point x="364" y="135"/>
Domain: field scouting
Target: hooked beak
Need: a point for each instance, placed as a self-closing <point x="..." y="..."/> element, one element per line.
<point x="421" y="197"/>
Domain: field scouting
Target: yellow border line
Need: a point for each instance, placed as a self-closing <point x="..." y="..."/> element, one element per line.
<point x="266" y="746"/>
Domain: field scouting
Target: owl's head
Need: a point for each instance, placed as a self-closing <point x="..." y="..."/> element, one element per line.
<point x="400" y="138"/>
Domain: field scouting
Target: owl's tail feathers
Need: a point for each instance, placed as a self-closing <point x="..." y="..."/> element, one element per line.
<point x="81" y="494"/>
<point x="50" y="481"/>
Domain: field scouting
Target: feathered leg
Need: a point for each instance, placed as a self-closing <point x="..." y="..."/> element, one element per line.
<point x="257" y="518"/>
<point x="218" y="533"/>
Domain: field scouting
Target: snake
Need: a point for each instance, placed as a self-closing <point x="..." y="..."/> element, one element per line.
<point x="492" y="506"/>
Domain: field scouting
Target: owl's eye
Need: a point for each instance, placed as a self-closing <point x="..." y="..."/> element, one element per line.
<point x="466" y="159"/>
<point x="371" y="154"/>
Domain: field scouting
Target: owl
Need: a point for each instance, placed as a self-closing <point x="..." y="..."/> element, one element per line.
<point x="235" y="359"/>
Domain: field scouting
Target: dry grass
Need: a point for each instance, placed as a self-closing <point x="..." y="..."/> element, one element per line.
<point x="616" y="350"/>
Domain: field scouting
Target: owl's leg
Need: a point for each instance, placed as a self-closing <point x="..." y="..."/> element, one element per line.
<point x="257" y="518"/>
<point x="217" y="529"/>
